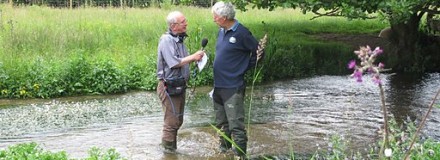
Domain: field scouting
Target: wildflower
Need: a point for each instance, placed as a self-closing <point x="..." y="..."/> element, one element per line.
<point x="376" y="79"/>
<point x="388" y="152"/>
<point x="367" y="58"/>
<point x="318" y="146"/>
<point x="352" y="64"/>
<point x="377" y="51"/>
<point x="358" y="75"/>
<point x="381" y="65"/>
<point x="431" y="152"/>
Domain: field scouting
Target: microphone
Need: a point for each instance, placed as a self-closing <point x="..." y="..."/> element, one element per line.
<point x="204" y="43"/>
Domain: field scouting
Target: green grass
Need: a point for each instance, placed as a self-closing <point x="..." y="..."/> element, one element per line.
<point x="43" y="50"/>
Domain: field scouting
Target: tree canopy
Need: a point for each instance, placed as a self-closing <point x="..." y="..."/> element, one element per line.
<point x="399" y="10"/>
<point x="415" y="44"/>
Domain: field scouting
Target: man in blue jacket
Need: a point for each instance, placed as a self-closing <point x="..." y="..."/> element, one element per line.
<point x="235" y="54"/>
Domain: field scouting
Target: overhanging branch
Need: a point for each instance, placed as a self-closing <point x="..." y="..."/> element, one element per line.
<point x="337" y="13"/>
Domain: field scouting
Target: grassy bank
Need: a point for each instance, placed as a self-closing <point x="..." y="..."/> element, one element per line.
<point x="47" y="52"/>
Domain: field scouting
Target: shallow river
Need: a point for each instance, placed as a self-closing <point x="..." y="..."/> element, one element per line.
<point x="298" y="115"/>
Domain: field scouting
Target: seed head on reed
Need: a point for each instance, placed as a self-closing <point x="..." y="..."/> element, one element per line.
<point x="261" y="46"/>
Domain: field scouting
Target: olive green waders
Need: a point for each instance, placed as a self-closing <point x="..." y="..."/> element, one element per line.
<point x="229" y="109"/>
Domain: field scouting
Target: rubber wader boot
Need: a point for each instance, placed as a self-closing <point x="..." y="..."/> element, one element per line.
<point x="224" y="145"/>
<point x="240" y="154"/>
<point x="169" y="147"/>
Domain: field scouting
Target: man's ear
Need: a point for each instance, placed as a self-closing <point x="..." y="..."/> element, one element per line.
<point x="172" y="27"/>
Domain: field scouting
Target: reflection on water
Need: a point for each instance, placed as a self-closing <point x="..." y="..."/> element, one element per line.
<point x="299" y="115"/>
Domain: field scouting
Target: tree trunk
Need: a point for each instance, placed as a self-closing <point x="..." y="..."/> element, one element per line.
<point x="405" y="37"/>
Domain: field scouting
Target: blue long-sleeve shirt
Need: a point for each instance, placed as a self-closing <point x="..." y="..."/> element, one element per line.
<point x="234" y="49"/>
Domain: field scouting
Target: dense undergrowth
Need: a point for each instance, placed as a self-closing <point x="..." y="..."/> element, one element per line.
<point x="48" y="52"/>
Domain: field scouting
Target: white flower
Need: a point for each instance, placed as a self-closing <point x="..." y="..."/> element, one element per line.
<point x="431" y="152"/>
<point x="388" y="152"/>
<point x="232" y="40"/>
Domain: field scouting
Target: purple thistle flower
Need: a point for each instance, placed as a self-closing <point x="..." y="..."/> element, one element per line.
<point x="352" y="64"/>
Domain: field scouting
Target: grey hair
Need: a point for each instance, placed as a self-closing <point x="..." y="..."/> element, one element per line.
<point x="172" y="17"/>
<point x="224" y="10"/>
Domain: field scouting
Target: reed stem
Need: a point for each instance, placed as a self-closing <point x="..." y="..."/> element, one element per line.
<point x="408" y="152"/>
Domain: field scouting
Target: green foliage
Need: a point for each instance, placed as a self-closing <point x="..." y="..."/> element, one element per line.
<point x="97" y="154"/>
<point x="304" y="58"/>
<point x="76" y="76"/>
<point x="89" y="51"/>
<point x="401" y="139"/>
<point x="404" y="18"/>
<point x="396" y="11"/>
<point x="222" y="134"/>
<point x="338" y="149"/>
<point x="134" y="81"/>
<point x="429" y="150"/>
<point x="84" y="3"/>
<point x="399" y="142"/>
<point x="30" y="151"/>
<point x="73" y="53"/>
<point x="401" y="11"/>
<point x="105" y="78"/>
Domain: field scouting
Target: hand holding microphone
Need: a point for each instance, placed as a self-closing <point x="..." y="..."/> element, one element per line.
<point x="199" y="54"/>
<point x="204" y="59"/>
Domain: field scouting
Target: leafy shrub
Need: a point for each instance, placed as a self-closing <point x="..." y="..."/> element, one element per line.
<point x="30" y="151"/>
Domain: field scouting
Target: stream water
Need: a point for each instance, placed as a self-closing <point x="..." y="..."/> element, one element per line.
<point x="298" y="115"/>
